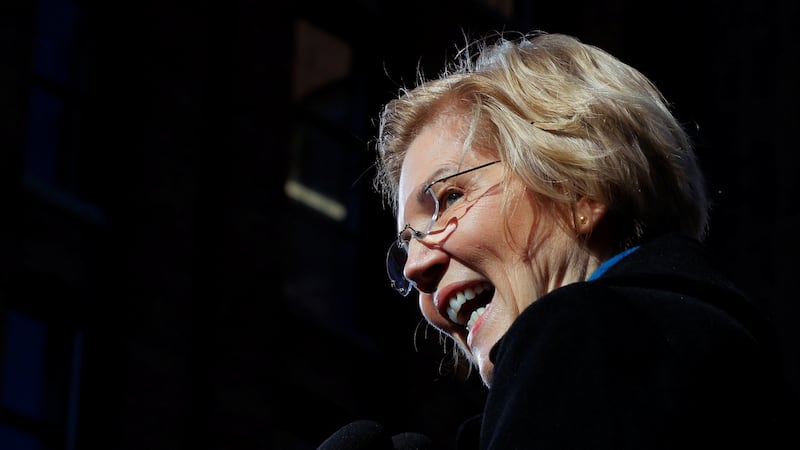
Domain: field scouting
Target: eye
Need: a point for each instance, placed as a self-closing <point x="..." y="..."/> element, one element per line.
<point x="448" y="196"/>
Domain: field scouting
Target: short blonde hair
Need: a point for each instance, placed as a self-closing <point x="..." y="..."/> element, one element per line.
<point x="571" y="121"/>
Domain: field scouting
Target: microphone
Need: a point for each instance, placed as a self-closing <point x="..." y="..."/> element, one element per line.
<point x="369" y="435"/>
<point x="411" y="441"/>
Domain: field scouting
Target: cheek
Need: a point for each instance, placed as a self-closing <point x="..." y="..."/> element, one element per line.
<point x="532" y="223"/>
<point x="496" y="246"/>
<point x="484" y="236"/>
<point x="517" y="228"/>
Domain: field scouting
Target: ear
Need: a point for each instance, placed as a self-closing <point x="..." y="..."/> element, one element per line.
<point x="588" y="214"/>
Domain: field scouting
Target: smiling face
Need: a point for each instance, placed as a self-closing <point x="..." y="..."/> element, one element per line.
<point x="483" y="263"/>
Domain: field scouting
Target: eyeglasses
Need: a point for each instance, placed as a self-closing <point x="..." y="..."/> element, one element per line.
<point x="397" y="255"/>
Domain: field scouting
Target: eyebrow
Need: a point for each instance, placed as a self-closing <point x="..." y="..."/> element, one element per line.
<point x="437" y="175"/>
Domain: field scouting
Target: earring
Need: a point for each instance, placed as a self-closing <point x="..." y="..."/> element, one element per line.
<point x="582" y="219"/>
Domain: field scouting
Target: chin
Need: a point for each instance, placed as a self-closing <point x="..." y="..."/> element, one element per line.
<point x="486" y="368"/>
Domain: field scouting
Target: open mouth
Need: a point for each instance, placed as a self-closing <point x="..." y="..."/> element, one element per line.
<point x="466" y="306"/>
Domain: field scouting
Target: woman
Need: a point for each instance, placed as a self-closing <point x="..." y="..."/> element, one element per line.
<point x="550" y="210"/>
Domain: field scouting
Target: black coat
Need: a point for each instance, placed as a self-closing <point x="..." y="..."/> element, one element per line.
<point x="661" y="352"/>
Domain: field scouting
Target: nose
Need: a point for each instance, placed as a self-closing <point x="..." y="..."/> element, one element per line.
<point x="425" y="265"/>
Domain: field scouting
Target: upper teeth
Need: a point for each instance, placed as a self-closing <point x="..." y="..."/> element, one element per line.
<point x="457" y="301"/>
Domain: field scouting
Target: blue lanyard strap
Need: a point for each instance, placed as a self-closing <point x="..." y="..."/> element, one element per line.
<point x="610" y="262"/>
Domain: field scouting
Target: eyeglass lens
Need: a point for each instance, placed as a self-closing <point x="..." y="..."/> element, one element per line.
<point x="398" y="251"/>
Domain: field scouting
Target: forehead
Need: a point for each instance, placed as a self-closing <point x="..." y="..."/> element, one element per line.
<point x="435" y="152"/>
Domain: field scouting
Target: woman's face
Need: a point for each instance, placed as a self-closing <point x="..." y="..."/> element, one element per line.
<point x="478" y="268"/>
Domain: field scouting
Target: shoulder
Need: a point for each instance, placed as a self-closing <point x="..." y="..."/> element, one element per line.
<point x="661" y="343"/>
<point x="664" y="308"/>
<point x="631" y="309"/>
<point x="638" y="312"/>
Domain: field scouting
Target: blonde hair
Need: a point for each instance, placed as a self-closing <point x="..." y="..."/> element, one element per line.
<point x="571" y="121"/>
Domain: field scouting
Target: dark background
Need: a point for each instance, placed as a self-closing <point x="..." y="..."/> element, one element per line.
<point x="191" y="249"/>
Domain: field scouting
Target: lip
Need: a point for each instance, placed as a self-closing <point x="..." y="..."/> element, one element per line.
<point x="472" y="332"/>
